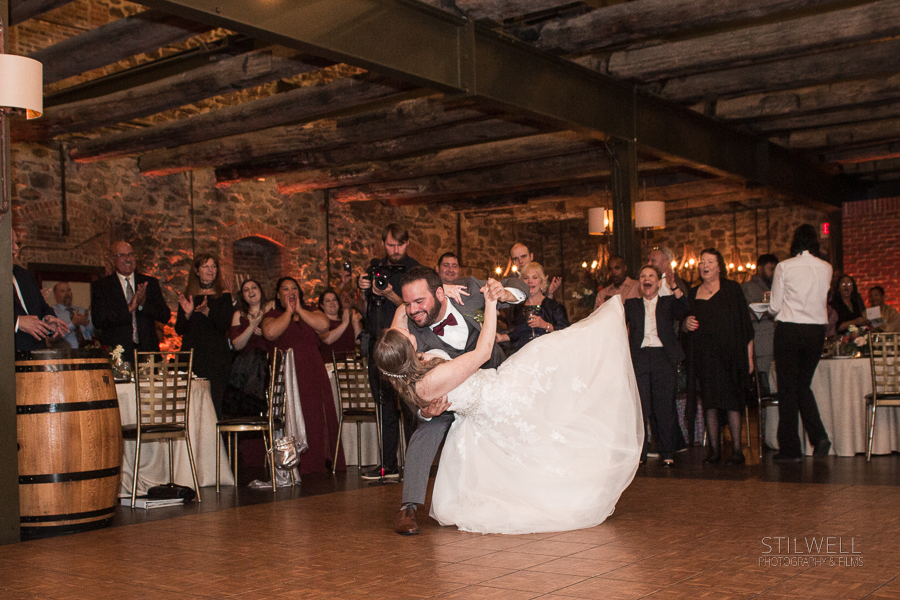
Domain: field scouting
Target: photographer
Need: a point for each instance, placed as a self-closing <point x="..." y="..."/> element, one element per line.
<point x="381" y="297"/>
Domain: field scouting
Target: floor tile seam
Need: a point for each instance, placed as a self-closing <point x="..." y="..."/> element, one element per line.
<point x="885" y="584"/>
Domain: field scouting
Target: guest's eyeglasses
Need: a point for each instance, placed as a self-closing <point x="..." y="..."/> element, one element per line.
<point x="125" y="255"/>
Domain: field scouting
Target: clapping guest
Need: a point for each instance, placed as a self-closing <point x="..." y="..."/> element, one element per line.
<point x="291" y="326"/>
<point x="655" y="354"/>
<point x="799" y="292"/>
<point x="35" y="321"/>
<point x="344" y="326"/>
<point x="722" y="342"/>
<point x="848" y="304"/>
<point x="77" y="318"/>
<point x="245" y="394"/>
<point x="205" y="311"/>
<point x="538" y="315"/>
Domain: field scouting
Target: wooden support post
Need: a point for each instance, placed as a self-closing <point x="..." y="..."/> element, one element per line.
<point x="624" y="178"/>
<point x="9" y="465"/>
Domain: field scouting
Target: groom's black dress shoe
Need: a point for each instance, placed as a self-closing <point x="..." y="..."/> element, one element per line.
<point x="406" y="521"/>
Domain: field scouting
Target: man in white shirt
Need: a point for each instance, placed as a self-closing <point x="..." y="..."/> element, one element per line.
<point x="799" y="298"/>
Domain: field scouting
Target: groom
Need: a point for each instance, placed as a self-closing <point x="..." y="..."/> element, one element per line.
<point x="440" y="323"/>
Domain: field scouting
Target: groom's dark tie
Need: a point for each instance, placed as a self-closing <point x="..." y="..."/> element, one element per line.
<point x="448" y="322"/>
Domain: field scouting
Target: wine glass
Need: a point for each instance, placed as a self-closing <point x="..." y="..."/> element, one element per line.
<point x="530" y="310"/>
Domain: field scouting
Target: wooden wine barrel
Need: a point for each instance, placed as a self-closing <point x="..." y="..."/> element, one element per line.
<point x="70" y="441"/>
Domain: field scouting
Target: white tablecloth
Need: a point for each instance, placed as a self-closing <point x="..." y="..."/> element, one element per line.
<point x="155" y="455"/>
<point x="840" y="386"/>
<point x="368" y="435"/>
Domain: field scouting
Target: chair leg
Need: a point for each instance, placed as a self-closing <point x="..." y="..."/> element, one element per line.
<point x="134" y="473"/>
<point x="218" y="437"/>
<point x="269" y="441"/>
<point x="871" y="422"/>
<point x="171" y="463"/>
<point x="233" y="454"/>
<point x="358" y="445"/>
<point x="187" y="442"/>
<point x="337" y="446"/>
<point x="401" y="459"/>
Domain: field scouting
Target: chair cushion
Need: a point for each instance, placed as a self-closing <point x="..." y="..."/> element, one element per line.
<point x="254" y="420"/>
<point x="130" y="431"/>
<point x="359" y="412"/>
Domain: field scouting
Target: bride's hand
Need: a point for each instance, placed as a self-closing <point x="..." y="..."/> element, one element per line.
<point x="435" y="408"/>
<point x="455" y="292"/>
<point x="492" y="290"/>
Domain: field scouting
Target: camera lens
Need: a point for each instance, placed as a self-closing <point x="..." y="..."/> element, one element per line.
<point x="381" y="281"/>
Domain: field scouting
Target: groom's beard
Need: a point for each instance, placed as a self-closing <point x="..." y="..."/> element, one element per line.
<point x="431" y="316"/>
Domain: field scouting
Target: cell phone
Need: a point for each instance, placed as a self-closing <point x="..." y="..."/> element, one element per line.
<point x="347" y="266"/>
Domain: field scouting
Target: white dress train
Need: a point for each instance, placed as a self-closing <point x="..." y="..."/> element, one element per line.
<point x="548" y="441"/>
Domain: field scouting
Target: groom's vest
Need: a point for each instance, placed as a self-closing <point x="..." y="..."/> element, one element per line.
<point x="432" y="341"/>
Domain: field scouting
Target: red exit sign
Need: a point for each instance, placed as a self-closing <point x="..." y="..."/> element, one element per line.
<point x="826" y="228"/>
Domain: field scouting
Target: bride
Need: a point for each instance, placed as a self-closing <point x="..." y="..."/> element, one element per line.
<point x="546" y="442"/>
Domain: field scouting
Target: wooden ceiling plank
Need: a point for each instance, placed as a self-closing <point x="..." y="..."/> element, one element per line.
<point x="645" y="19"/>
<point x="806" y="100"/>
<point x="826" y="119"/>
<point x="426" y="140"/>
<point x="869" y="60"/>
<point x="846" y="135"/>
<point x="873" y="167"/>
<point x="22" y="10"/>
<point x="863" y="154"/>
<point x="136" y="34"/>
<point x="301" y="104"/>
<point x="780" y="40"/>
<point x="384" y="123"/>
<point x="228" y="75"/>
<point x="534" y="174"/>
<point x="443" y="161"/>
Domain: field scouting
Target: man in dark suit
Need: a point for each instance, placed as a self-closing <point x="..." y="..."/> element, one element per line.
<point x="655" y="354"/>
<point x="438" y="322"/>
<point x="127" y="305"/>
<point x="35" y="320"/>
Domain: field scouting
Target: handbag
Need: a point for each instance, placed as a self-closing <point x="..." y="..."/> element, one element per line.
<point x="286" y="453"/>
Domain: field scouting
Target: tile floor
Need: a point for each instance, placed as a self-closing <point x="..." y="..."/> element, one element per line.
<point x="703" y="532"/>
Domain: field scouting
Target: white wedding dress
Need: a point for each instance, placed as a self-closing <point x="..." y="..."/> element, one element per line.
<point x="550" y="440"/>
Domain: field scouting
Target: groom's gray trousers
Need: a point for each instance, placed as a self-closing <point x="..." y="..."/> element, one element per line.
<point x="420" y="455"/>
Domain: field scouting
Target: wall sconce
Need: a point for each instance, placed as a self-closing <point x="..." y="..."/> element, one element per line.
<point x="600" y="221"/>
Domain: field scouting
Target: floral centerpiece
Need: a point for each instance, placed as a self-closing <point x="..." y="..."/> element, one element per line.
<point x="121" y="369"/>
<point x="853" y="342"/>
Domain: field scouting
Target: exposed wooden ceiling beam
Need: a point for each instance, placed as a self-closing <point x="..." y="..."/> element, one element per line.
<point x="785" y="39"/>
<point x="400" y="119"/>
<point x="855" y="134"/>
<point x="297" y="105"/>
<point x="137" y="34"/>
<point x="865" y="154"/>
<point x="22" y="10"/>
<point x="799" y="101"/>
<point x="645" y="19"/>
<point x="873" y="167"/>
<point x="771" y="127"/>
<point x="533" y="174"/>
<point x="442" y="161"/>
<point x="432" y="49"/>
<point x="869" y="60"/>
<point x="465" y="133"/>
<point x="229" y="75"/>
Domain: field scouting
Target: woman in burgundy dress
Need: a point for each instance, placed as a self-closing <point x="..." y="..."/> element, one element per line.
<point x="291" y="326"/>
<point x="344" y="325"/>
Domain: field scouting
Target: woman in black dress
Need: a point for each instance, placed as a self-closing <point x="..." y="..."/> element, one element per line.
<point x="538" y="315"/>
<point x="847" y="302"/>
<point x="722" y="348"/>
<point x="204" y="318"/>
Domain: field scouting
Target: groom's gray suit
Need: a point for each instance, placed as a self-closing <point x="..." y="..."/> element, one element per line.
<point x="428" y="436"/>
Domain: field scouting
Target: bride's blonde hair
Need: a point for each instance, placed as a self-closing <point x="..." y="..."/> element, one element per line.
<point x="396" y="358"/>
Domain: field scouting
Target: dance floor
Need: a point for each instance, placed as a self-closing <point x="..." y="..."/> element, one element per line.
<point x="699" y="532"/>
